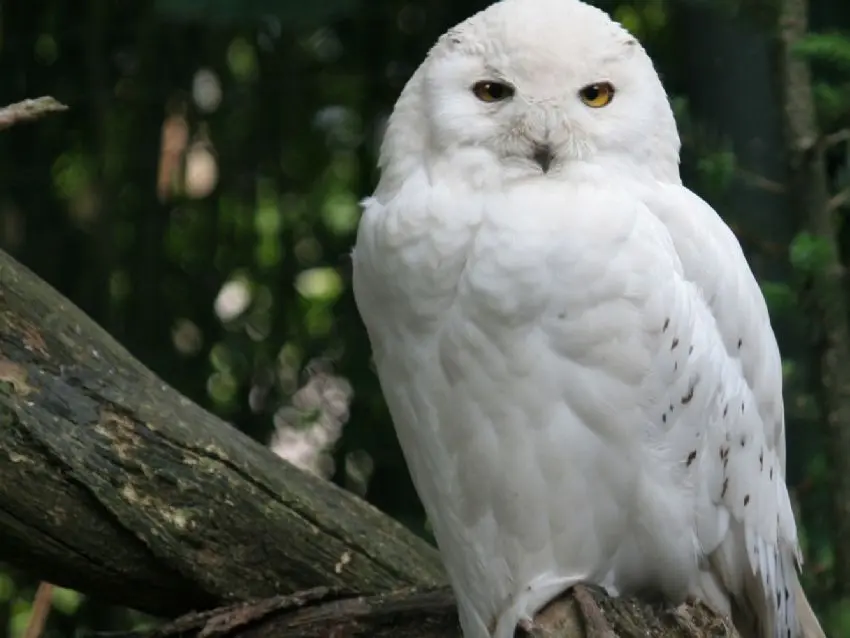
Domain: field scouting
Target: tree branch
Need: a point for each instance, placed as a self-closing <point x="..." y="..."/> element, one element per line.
<point x="838" y="137"/>
<point x="113" y="484"/>
<point x="29" y="110"/>
<point x="417" y="613"/>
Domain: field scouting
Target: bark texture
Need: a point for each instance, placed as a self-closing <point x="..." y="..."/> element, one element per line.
<point x="415" y="613"/>
<point x="114" y="484"/>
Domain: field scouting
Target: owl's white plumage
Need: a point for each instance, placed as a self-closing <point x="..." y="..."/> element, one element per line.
<point x="578" y="361"/>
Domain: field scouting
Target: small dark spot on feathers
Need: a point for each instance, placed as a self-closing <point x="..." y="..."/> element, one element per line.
<point x="666" y="324"/>
<point x="675" y="343"/>
<point x="740" y="341"/>
<point x="690" y="395"/>
<point x="691" y="457"/>
<point x="725" y="409"/>
<point x="747" y="499"/>
<point x="690" y="350"/>
<point x="725" y="487"/>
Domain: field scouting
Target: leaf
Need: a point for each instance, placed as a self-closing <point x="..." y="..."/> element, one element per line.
<point x="810" y="254"/>
<point x="831" y="48"/>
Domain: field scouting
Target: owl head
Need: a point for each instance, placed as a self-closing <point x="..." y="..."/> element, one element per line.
<point x="528" y="88"/>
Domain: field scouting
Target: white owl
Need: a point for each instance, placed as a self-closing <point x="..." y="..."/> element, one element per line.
<point x="577" y="358"/>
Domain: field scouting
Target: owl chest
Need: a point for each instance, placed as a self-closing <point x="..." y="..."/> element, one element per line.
<point x="483" y="270"/>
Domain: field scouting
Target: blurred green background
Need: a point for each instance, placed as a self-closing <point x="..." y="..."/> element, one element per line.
<point x="199" y="200"/>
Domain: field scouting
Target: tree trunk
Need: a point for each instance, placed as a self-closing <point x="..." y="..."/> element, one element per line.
<point x="810" y="192"/>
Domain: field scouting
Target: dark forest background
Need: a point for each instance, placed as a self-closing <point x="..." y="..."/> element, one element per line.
<point x="199" y="200"/>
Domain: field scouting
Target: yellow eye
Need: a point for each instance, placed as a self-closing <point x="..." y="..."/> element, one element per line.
<point x="492" y="91"/>
<point x="597" y="95"/>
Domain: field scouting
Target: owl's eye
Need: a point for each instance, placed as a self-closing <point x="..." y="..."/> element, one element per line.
<point x="597" y="95"/>
<point x="492" y="91"/>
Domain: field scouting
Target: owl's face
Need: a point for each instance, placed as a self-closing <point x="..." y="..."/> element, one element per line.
<point x="536" y="84"/>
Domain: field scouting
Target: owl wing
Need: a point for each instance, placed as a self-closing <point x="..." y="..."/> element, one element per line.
<point x="710" y="390"/>
<point x="745" y="522"/>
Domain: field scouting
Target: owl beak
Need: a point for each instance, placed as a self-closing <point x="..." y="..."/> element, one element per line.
<point x="543" y="156"/>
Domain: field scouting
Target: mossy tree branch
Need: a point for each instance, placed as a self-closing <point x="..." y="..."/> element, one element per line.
<point x="113" y="483"/>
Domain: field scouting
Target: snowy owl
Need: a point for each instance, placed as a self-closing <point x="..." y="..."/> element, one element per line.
<point x="577" y="359"/>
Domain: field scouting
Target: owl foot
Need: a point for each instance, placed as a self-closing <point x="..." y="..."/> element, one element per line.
<point x="594" y="621"/>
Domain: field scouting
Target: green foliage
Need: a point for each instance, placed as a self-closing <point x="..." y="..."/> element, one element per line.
<point x="831" y="100"/>
<point x="809" y="253"/>
<point x="831" y="48"/>
<point x="838" y="617"/>
<point x="829" y="54"/>
<point x="717" y="170"/>
<point x="643" y="19"/>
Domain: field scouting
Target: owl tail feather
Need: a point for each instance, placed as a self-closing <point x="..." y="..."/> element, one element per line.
<point x="809" y="625"/>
